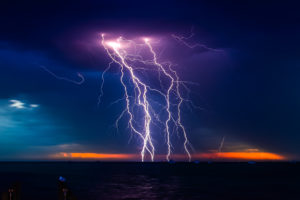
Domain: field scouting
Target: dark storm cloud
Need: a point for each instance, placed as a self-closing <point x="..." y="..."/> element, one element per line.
<point x="249" y="93"/>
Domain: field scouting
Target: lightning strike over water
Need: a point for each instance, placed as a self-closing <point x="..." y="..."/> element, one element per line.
<point x="139" y="68"/>
<point x="221" y="144"/>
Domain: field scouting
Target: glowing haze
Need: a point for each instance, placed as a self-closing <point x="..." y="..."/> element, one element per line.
<point x="140" y="67"/>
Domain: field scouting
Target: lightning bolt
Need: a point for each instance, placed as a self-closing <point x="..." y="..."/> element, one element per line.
<point x="81" y="81"/>
<point x="185" y="41"/>
<point x="221" y="144"/>
<point x="127" y="55"/>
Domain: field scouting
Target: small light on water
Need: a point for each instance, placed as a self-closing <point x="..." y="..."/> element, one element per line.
<point x="62" y="179"/>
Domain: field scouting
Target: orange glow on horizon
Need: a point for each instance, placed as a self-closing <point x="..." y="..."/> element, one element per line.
<point x="202" y="156"/>
<point x="241" y="156"/>
<point x="99" y="156"/>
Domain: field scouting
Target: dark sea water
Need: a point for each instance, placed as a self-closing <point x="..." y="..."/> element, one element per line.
<point x="98" y="181"/>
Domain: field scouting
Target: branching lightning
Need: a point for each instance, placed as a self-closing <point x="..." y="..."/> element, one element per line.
<point x="185" y="41"/>
<point x="132" y="57"/>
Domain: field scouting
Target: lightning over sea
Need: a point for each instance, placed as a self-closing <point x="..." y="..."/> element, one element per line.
<point x="154" y="94"/>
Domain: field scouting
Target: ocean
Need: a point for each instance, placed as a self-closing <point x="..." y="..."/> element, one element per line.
<point x="120" y="180"/>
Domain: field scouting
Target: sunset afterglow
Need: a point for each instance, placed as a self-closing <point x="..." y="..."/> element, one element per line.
<point x="230" y="156"/>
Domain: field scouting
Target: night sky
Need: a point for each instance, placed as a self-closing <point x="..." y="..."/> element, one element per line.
<point x="248" y="91"/>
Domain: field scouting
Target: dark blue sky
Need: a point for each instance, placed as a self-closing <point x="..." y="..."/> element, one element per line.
<point x="249" y="93"/>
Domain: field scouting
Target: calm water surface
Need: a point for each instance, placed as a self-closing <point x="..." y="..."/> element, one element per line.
<point x="98" y="181"/>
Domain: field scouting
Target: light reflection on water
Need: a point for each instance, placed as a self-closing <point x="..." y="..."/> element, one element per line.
<point x="135" y="187"/>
